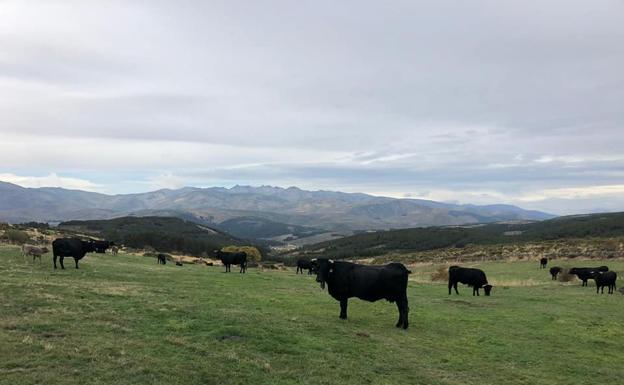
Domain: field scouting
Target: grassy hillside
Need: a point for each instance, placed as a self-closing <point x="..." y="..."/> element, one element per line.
<point x="435" y="238"/>
<point x="166" y="234"/>
<point x="127" y="320"/>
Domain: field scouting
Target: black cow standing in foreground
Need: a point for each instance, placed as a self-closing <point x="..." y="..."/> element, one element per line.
<point x="228" y="259"/>
<point x="370" y="283"/>
<point x="586" y="273"/>
<point x="71" y="247"/>
<point x="607" y="278"/>
<point x="543" y="263"/>
<point x="554" y="271"/>
<point x="472" y="277"/>
<point x="306" y="264"/>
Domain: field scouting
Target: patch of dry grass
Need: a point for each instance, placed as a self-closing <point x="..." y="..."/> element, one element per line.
<point x="441" y="274"/>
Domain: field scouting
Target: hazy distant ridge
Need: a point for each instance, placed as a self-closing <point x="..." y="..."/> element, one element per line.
<point x="319" y="209"/>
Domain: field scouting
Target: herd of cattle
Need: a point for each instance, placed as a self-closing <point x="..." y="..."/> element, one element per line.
<point x="344" y="279"/>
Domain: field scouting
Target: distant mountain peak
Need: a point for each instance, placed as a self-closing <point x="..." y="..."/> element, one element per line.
<point x="325" y="210"/>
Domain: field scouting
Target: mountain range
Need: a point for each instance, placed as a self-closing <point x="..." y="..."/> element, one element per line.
<point x="266" y="211"/>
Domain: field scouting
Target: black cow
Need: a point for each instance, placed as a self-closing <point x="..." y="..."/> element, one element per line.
<point x="306" y="264"/>
<point x="543" y="263"/>
<point x="554" y="271"/>
<point x="228" y="259"/>
<point x="607" y="278"/>
<point x="71" y="247"/>
<point x="101" y="246"/>
<point x="585" y="273"/>
<point x="472" y="277"/>
<point x="370" y="283"/>
<point x="162" y="259"/>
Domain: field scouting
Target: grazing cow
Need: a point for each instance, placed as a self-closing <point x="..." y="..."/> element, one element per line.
<point x="229" y="259"/>
<point x="305" y="264"/>
<point x="543" y="263"/>
<point x="554" y="271"/>
<point x="71" y="247"/>
<point x="472" y="277"/>
<point x="161" y="259"/>
<point x="370" y="283"/>
<point x="34" y="251"/>
<point x="114" y="250"/>
<point x="585" y="273"/>
<point x="101" y="246"/>
<point x="607" y="278"/>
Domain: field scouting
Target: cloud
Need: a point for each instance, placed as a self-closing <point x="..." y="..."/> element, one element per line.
<point x="399" y="98"/>
<point x="167" y="180"/>
<point x="50" y="180"/>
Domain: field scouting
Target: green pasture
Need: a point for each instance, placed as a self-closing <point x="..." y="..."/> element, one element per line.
<point x="127" y="320"/>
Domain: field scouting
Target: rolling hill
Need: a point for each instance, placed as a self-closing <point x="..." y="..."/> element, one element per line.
<point x="434" y="238"/>
<point x="291" y="207"/>
<point x="166" y="234"/>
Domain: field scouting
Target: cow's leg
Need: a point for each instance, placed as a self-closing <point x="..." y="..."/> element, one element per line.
<point x="54" y="259"/>
<point x="61" y="261"/>
<point x="403" y="310"/>
<point x="597" y="289"/>
<point x="405" y="313"/>
<point x="76" y="260"/>
<point x="343" y="308"/>
<point x="455" y="287"/>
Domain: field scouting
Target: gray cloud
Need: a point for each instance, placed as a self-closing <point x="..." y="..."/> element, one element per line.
<point x="435" y="95"/>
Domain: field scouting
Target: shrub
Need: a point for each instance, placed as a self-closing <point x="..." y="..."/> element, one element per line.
<point x="441" y="274"/>
<point x="565" y="276"/>
<point x="17" y="236"/>
<point x="252" y="253"/>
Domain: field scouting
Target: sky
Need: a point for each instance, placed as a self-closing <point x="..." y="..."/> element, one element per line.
<point x="517" y="102"/>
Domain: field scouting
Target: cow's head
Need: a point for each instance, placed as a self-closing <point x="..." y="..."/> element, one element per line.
<point x="595" y="273"/>
<point x="314" y="265"/>
<point x="487" y="289"/>
<point x="324" y="267"/>
<point x="89" y="246"/>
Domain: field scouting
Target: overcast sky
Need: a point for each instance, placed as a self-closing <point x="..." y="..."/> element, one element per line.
<point x="517" y="102"/>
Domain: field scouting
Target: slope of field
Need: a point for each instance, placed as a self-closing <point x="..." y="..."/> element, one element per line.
<point x="127" y="320"/>
<point x="434" y="238"/>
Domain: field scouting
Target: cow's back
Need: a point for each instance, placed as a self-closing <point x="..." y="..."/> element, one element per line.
<point x="370" y="283"/>
<point x="67" y="247"/>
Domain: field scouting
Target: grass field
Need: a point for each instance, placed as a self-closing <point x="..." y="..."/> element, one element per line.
<point x="127" y="320"/>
